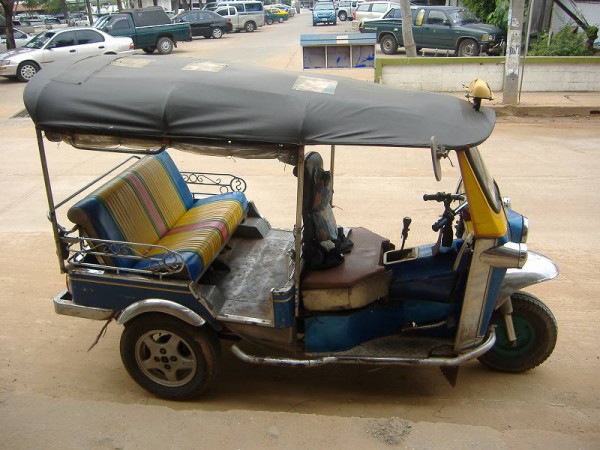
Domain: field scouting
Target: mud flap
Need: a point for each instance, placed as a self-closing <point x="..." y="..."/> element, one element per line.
<point x="451" y="374"/>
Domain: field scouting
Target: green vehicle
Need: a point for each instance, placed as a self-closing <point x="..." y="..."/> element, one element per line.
<point x="438" y="27"/>
<point x="149" y="28"/>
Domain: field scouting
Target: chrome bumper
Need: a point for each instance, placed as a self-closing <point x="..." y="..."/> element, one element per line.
<point x="63" y="304"/>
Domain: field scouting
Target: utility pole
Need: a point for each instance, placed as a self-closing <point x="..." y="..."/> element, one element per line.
<point x="512" y="66"/>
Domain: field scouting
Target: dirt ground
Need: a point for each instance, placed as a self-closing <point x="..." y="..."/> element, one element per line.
<point x="56" y="395"/>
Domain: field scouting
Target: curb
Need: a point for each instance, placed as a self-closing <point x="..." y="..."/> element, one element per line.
<point x="545" y="111"/>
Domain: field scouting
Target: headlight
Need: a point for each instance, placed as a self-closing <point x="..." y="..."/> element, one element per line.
<point x="485" y="37"/>
<point x="525" y="231"/>
<point x="6" y="62"/>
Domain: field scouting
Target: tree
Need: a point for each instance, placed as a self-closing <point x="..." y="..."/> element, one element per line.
<point x="8" y="6"/>
<point x="407" y="34"/>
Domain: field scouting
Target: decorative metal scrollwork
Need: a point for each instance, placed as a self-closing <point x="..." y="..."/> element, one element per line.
<point x="222" y="183"/>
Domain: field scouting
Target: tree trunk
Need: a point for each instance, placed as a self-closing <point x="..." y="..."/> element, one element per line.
<point x="119" y="5"/>
<point x="65" y="10"/>
<point x="88" y="7"/>
<point x="8" y="6"/>
<point x="407" y="34"/>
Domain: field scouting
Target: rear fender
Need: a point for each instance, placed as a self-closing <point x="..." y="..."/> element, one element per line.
<point x="537" y="269"/>
<point x="163" y="307"/>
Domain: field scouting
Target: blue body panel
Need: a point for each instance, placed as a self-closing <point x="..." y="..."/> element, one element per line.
<point x="110" y="292"/>
<point x="330" y="333"/>
<point x="515" y="225"/>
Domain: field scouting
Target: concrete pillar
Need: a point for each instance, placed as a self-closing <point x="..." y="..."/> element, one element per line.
<point x="512" y="68"/>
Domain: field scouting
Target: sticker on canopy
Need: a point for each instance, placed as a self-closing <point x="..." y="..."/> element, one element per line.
<point x="320" y="85"/>
<point x="205" y="66"/>
<point x="135" y="63"/>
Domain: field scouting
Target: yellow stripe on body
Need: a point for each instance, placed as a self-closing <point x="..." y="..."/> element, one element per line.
<point x="485" y="221"/>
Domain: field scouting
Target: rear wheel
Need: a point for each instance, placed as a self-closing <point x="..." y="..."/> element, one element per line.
<point x="27" y="70"/>
<point x="536" y="331"/>
<point x="269" y="21"/>
<point x="217" y="33"/>
<point x="149" y="50"/>
<point x="168" y="357"/>
<point x="388" y="45"/>
<point x="468" y="47"/>
<point x="250" y="27"/>
<point x="164" y="46"/>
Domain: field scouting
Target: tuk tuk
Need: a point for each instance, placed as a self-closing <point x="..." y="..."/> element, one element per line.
<point x="184" y="271"/>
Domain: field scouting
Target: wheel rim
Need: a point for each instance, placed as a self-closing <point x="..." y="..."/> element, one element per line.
<point x="526" y="338"/>
<point x="165" y="358"/>
<point x="468" y="48"/>
<point x="217" y="33"/>
<point x="165" y="46"/>
<point x="387" y="45"/>
<point x="28" y="71"/>
<point x="249" y="27"/>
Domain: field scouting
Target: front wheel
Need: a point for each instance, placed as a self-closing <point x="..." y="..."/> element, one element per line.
<point x="281" y="20"/>
<point x="536" y="331"/>
<point x="217" y="33"/>
<point x="468" y="47"/>
<point x="168" y="357"/>
<point x="388" y="45"/>
<point x="27" y="70"/>
<point x="164" y="46"/>
<point x="343" y="16"/>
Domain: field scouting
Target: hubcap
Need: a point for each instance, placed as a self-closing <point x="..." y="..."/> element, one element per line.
<point x="165" y="46"/>
<point x="27" y="72"/>
<point x="165" y="358"/>
<point x="469" y="49"/>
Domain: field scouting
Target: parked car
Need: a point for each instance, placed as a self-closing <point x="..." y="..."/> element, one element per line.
<point x="251" y="13"/>
<point x="278" y="14"/>
<point x="205" y="23"/>
<point x="49" y="46"/>
<point x="373" y="10"/>
<point x="150" y="28"/>
<point x="346" y="8"/>
<point x="21" y="39"/>
<point x="324" y="12"/>
<point x="439" y="27"/>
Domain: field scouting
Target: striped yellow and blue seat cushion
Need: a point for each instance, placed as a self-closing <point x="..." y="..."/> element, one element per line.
<point x="199" y="235"/>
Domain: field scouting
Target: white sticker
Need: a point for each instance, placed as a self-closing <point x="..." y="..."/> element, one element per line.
<point x="320" y="85"/>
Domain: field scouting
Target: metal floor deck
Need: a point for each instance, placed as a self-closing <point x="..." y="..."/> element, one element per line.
<point x="256" y="266"/>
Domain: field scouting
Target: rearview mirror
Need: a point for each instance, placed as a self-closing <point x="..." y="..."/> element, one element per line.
<point x="437" y="153"/>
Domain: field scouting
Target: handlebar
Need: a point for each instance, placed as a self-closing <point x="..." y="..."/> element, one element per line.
<point x="443" y="196"/>
<point x="448" y="216"/>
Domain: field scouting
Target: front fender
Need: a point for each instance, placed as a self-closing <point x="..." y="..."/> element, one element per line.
<point x="537" y="269"/>
<point x="160" y="306"/>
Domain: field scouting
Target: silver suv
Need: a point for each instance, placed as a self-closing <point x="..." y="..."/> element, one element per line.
<point x="372" y="10"/>
<point x="346" y="8"/>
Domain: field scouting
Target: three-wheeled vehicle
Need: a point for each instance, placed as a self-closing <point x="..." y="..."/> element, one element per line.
<point x="183" y="271"/>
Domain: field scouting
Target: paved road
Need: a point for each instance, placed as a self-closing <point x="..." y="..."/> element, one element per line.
<point x="54" y="394"/>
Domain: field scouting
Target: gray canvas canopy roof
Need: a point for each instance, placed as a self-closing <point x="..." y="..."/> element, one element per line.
<point x="189" y="100"/>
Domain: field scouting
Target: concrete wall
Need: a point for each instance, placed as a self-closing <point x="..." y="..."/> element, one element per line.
<point x="547" y="74"/>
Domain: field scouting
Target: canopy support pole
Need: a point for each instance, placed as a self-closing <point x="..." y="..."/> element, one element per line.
<point x="51" y="207"/>
<point x="298" y="228"/>
<point x="331" y="170"/>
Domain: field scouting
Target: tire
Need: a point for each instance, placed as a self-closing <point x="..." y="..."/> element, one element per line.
<point x="250" y="27"/>
<point x="165" y="46"/>
<point x="149" y="50"/>
<point x="388" y="45"/>
<point x="343" y="16"/>
<point x="468" y="47"/>
<point x="168" y="357"/>
<point x="216" y="33"/>
<point x="269" y="21"/>
<point x="27" y="70"/>
<point x="280" y="20"/>
<point x="314" y="24"/>
<point x="536" y="331"/>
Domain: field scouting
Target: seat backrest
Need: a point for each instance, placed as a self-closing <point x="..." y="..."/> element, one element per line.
<point x="140" y="204"/>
